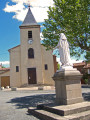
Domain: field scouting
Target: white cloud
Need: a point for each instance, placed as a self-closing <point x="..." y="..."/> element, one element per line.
<point x="76" y="61"/>
<point x="72" y="60"/>
<point x="58" y="60"/>
<point x="4" y="62"/>
<point x="41" y="36"/>
<point x="39" y="8"/>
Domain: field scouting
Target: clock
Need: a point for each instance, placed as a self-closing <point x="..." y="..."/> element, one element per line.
<point x="30" y="41"/>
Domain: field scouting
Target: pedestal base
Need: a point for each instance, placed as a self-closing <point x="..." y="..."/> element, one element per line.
<point x="68" y="101"/>
<point x="68" y="86"/>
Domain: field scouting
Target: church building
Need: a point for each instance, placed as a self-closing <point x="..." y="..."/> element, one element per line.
<point x="30" y="63"/>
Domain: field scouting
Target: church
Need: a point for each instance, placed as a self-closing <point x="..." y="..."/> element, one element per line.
<point x="30" y="63"/>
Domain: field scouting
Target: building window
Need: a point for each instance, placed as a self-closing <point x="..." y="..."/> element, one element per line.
<point x="17" y="68"/>
<point x="46" y="67"/>
<point x="30" y="53"/>
<point x="29" y="34"/>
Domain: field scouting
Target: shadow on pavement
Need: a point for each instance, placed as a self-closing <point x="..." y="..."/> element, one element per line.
<point x="85" y="86"/>
<point x="33" y="101"/>
<point x="86" y="96"/>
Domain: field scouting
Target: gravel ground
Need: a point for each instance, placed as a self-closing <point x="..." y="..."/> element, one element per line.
<point x="14" y="104"/>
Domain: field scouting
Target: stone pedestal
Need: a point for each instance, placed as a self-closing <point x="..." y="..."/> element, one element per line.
<point x="68" y="86"/>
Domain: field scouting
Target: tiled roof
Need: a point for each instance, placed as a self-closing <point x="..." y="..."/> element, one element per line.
<point x="4" y="69"/>
<point x="29" y="19"/>
<point x="14" y="47"/>
<point x="87" y="66"/>
<point x="83" y="64"/>
<point x="79" y="64"/>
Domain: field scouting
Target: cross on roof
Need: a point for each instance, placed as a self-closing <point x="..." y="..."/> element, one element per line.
<point x="29" y="3"/>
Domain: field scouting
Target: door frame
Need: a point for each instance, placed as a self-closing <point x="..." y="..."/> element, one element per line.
<point x="28" y="74"/>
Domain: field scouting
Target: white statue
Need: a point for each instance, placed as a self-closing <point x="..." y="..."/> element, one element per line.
<point x="64" y="51"/>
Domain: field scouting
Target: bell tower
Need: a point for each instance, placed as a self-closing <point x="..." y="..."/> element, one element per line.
<point x="31" y="58"/>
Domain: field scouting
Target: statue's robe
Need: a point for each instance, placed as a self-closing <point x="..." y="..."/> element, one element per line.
<point x="64" y="50"/>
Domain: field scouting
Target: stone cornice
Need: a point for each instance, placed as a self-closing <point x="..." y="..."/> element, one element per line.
<point x="29" y="26"/>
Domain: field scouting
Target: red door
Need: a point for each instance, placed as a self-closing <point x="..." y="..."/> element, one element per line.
<point x="32" y="76"/>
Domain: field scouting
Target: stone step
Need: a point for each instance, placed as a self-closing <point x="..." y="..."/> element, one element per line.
<point x="66" y="109"/>
<point x="79" y="116"/>
<point x="39" y="87"/>
<point x="45" y="115"/>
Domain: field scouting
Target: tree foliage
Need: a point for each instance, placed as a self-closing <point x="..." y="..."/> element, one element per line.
<point x="71" y="17"/>
<point x="58" y="66"/>
<point x="87" y="56"/>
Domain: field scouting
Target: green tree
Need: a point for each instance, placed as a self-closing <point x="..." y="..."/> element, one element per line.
<point x="70" y="17"/>
<point x="3" y="67"/>
<point x="58" y="66"/>
<point x="87" y="56"/>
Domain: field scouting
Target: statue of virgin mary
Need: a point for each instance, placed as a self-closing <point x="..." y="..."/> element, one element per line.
<point x="64" y="51"/>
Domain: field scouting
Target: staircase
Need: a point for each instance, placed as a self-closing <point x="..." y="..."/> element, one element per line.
<point x="78" y="111"/>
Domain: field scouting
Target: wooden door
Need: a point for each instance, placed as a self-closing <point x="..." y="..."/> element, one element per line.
<point x="32" y="76"/>
<point x="5" y="81"/>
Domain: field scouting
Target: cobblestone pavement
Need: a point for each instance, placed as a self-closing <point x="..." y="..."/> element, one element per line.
<point x="14" y="104"/>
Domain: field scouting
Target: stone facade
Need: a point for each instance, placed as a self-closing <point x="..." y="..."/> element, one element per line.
<point x="42" y="62"/>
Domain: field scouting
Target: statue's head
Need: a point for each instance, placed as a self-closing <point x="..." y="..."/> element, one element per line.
<point x="62" y="36"/>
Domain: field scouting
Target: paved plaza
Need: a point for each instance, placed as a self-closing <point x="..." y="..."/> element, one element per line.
<point x="14" y="104"/>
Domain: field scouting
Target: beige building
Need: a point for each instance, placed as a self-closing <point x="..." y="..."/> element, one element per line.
<point x="30" y="63"/>
<point x="4" y="76"/>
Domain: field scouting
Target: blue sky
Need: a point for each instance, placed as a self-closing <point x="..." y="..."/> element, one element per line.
<point x="12" y="13"/>
<point x="9" y="31"/>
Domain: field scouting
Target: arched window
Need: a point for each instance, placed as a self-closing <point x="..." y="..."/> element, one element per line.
<point x="30" y="53"/>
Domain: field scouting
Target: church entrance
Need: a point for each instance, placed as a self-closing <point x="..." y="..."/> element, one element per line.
<point x="31" y="75"/>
